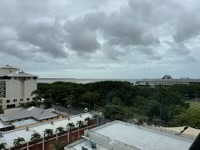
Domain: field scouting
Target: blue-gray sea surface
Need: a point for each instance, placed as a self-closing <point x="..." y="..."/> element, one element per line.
<point x="83" y="81"/>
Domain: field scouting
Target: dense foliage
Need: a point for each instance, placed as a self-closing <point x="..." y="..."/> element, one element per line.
<point x="122" y="100"/>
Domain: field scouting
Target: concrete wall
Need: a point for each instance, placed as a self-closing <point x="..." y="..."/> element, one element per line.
<point x="99" y="139"/>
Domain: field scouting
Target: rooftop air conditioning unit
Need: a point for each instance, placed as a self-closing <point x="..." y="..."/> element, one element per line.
<point x="27" y="128"/>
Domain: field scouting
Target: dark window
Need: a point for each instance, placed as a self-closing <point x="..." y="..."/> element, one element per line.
<point x="15" y="78"/>
<point x="21" y="99"/>
<point x="14" y="100"/>
<point x="7" y="101"/>
<point x="11" y="106"/>
<point x="28" y="99"/>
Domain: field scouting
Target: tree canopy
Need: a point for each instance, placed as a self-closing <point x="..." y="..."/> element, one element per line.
<point x="122" y="100"/>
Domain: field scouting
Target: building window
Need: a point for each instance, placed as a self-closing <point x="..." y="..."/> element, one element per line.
<point x="27" y="99"/>
<point x="15" y="78"/>
<point x="14" y="100"/>
<point x="7" y="101"/>
<point x="21" y="99"/>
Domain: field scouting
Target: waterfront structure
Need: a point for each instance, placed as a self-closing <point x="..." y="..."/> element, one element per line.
<point x="72" y="129"/>
<point x="118" y="135"/>
<point x="16" y="87"/>
<point x="167" y="81"/>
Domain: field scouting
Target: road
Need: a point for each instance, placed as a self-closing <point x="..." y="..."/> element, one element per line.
<point x="73" y="111"/>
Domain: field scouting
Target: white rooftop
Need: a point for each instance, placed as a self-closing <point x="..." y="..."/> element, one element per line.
<point x="83" y="143"/>
<point x="20" y="74"/>
<point x="3" y="125"/>
<point x="24" y="122"/>
<point x="141" y="137"/>
<point x="9" y="136"/>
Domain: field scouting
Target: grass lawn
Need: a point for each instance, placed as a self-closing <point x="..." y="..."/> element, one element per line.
<point x="194" y="104"/>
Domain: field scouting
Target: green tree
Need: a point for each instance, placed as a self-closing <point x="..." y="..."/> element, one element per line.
<point x="70" y="126"/>
<point x="189" y="117"/>
<point x="48" y="132"/>
<point x="79" y="123"/>
<point x="139" y="103"/>
<point x="60" y="130"/>
<point x="47" y="103"/>
<point x="152" y="108"/>
<point x="35" y="137"/>
<point x="1" y="109"/>
<point x="18" y="142"/>
<point x="37" y="96"/>
<point x="3" y="146"/>
<point x="69" y="100"/>
<point x="90" y="98"/>
<point x="117" y="101"/>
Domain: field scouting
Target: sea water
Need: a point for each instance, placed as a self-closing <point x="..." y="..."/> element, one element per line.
<point x="83" y="81"/>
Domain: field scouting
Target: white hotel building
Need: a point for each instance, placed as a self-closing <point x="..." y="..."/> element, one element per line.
<point x="16" y="86"/>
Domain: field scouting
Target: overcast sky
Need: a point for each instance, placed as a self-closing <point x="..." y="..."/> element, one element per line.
<point x="101" y="38"/>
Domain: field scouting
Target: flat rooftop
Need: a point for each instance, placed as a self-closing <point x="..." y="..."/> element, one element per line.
<point x="141" y="137"/>
<point x="9" y="136"/>
<point x="83" y="143"/>
<point x="21" y="123"/>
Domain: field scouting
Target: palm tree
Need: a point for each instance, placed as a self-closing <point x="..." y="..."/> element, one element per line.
<point x="35" y="137"/>
<point x="79" y="124"/>
<point x="18" y="142"/>
<point x="70" y="126"/>
<point x="59" y="131"/>
<point x="3" y="146"/>
<point x="87" y="121"/>
<point x="48" y="132"/>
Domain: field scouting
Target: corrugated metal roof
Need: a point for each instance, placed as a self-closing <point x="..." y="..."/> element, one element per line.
<point x="34" y="112"/>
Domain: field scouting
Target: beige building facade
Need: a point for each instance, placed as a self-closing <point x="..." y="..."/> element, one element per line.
<point x="16" y="86"/>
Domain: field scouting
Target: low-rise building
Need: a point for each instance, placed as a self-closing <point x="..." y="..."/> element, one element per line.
<point x="119" y="135"/>
<point x="16" y="87"/>
<point x="22" y="117"/>
<point x="71" y="126"/>
<point x="166" y="81"/>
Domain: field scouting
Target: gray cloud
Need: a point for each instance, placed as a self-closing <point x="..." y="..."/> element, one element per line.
<point x="120" y="32"/>
<point x="48" y="38"/>
<point x="188" y="26"/>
